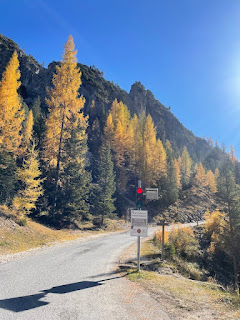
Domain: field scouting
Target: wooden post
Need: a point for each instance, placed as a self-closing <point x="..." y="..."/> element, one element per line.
<point x="163" y="227"/>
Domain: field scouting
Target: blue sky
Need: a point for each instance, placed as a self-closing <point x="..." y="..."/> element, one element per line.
<point x="186" y="52"/>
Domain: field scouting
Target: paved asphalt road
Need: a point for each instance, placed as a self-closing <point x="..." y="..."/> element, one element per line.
<point x="74" y="281"/>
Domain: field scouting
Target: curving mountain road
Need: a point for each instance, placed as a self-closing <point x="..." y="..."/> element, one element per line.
<point x="74" y="281"/>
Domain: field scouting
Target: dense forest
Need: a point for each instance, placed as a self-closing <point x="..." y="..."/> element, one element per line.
<point x="62" y="164"/>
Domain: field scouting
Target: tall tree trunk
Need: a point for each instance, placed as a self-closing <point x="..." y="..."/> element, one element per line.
<point x="235" y="264"/>
<point x="58" y="160"/>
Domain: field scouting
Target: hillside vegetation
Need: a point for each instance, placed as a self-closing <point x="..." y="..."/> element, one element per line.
<point x="68" y="158"/>
<point x="175" y="286"/>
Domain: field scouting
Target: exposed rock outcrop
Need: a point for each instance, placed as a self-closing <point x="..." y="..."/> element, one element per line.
<point x="35" y="79"/>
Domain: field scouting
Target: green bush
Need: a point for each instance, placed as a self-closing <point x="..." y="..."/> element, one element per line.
<point x="170" y="250"/>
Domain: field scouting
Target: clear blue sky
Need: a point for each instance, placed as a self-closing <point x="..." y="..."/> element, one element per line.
<point x="187" y="52"/>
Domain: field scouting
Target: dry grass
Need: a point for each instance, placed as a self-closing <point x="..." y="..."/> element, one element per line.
<point x="15" y="238"/>
<point x="185" y="299"/>
<point x="195" y="299"/>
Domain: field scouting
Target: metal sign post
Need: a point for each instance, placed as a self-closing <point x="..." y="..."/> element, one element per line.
<point x="139" y="228"/>
<point x="139" y="239"/>
<point x="163" y="240"/>
<point x="163" y="224"/>
<point x="138" y="254"/>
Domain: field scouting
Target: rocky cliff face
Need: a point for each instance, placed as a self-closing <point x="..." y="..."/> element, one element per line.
<point x="35" y="79"/>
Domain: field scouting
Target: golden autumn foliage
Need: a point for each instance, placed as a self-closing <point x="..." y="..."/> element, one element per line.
<point x="119" y="144"/>
<point x="214" y="227"/>
<point x="178" y="172"/>
<point x="109" y="129"/>
<point x="214" y="221"/>
<point x="205" y="179"/>
<point x="31" y="188"/>
<point x="116" y="131"/>
<point x="200" y="177"/>
<point x="157" y="236"/>
<point x="64" y="104"/>
<point x="149" y="152"/>
<point x="11" y="112"/>
<point x="134" y="143"/>
<point x="211" y="181"/>
<point x="185" y="167"/>
<point x="181" y="239"/>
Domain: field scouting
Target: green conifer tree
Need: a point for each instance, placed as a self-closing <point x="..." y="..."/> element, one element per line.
<point x="104" y="204"/>
<point x="171" y="182"/>
<point x="229" y="192"/>
<point x="7" y="177"/>
<point x="72" y="201"/>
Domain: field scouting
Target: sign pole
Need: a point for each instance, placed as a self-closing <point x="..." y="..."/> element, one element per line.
<point x="163" y="240"/>
<point x="138" y="255"/>
<point x="139" y="242"/>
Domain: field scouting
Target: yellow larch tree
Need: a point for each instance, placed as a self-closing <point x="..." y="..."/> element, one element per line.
<point x="185" y="167"/>
<point x="31" y="188"/>
<point x="200" y="177"/>
<point x="120" y="113"/>
<point x="11" y="112"/>
<point x="138" y="139"/>
<point x="116" y="129"/>
<point x="65" y="106"/>
<point x="131" y="147"/>
<point x="210" y="181"/>
<point x="109" y="129"/>
<point x="160" y="161"/>
<point x="149" y="152"/>
<point x="178" y="173"/>
<point x="65" y="144"/>
<point x="119" y="134"/>
<point x="119" y="144"/>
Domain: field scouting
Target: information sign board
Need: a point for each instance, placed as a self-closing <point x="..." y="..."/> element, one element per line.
<point x="152" y="193"/>
<point x="139" y="223"/>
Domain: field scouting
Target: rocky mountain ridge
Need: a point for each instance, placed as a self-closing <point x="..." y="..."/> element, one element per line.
<point x="35" y="79"/>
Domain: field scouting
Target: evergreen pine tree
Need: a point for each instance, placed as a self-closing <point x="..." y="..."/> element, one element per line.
<point x="8" y="178"/>
<point x="39" y="126"/>
<point x="27" y="133"/>
<point x="104" y="203"/>
<point x="229" y="192"/>
<point x="172" y="179"/>
<point x="72" y="203"/>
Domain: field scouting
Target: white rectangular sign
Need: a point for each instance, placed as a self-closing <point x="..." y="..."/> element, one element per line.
<point x="152" y="193"/>
<point x="139" y="223"/>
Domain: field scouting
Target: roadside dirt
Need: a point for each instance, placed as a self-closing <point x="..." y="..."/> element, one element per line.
<point x="182" y="298"/>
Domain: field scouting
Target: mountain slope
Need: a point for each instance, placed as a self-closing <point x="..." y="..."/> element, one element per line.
<point x="35" y="79"/>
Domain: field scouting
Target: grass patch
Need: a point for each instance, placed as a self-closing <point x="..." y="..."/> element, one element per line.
<point x="183" y="297"/>
<point x="15" y="238"/>
<point x="189" y="295"/>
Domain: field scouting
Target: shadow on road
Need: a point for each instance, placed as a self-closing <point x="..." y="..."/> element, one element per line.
<point x="24" y="303"/>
